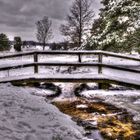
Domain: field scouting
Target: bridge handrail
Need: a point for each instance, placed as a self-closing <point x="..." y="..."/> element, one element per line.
<point x="17" y="55"/>
<point x="79" y="53"/>
<point x="77" y="64"/>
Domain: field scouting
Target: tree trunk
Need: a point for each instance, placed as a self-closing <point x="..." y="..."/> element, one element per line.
<point x="80" y="32"/>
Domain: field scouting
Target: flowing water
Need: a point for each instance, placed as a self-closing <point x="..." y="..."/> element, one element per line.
<point x="101" y="118"/>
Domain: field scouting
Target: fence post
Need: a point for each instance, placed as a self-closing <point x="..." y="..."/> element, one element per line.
<point x="100" y="61"/>
<point x="35" y="61"/>
<point x="101" y="85"/>
<point x="79" y="58"/>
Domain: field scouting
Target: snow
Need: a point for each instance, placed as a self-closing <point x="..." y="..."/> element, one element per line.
<point x="122" y="74"/>
<point x="122" y="19"/>
<point x="82" y="106"/>
<point x="61" y="58"/>
<point x="127" y="93"/>
<point x="55" y="71"/>
<point x="58" y="58"/>
<point x="120" y="61"/>
<point x="124" y="12"/>
<point x="137" y="102"/>
<point x="26" y="116"/>
<point x="128" y="99"/>
<point x="17" y="72"/>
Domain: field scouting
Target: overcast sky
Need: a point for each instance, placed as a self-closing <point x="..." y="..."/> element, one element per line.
<point x="18" y="17"/>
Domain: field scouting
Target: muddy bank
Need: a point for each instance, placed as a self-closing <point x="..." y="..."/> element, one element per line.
<point x="128" y="99"/>
<point x="100" y="120"/>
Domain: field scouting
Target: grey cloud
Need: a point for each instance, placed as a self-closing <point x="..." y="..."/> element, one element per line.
<point x="19" y="16"/>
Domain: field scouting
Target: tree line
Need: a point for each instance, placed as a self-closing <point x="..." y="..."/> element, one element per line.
<point x="5" y="43"/>
<point x="116" y="29"/>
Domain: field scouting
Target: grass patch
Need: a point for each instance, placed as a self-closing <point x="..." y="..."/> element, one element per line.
<point x="113" y="123"/>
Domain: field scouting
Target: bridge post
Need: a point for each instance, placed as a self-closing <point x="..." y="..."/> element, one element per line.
<point x="100" y="61"/>
<point x="79" y="58"/>
<point x="35" y="61"/>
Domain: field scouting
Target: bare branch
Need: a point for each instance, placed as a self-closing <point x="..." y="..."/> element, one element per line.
<point x="79" y="18"/>
<point x="44" y="31"/>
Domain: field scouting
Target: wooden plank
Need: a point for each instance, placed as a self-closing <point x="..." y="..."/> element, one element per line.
<point x="105" y="53"/>
<point x="36" y="61"/>
<point x="121" y="68"/>
<point x="77" y="64"/>
<point x="120" y="56"/>
<point x="18" y="66"/>
<point x="71" y="53"/>
<point x="75" y="79"/>
<point x="100" y="60"/>
<point x="125" y="82"/>
<point x="17" y="55"/>
<point x="32" y="64"/>
<point x="55" y="78"/>
<point x="100" y="65"/>
<point x="79" y="58"/>
<point x="48" y="53"/>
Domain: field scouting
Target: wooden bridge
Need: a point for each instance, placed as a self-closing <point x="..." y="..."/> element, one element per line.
<point x="103" y="68"/>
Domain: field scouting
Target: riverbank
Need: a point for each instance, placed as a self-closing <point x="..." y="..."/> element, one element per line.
<point x="24" y="115"/>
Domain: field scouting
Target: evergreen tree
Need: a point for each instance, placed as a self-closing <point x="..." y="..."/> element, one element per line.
<point x="17" y="44"/>
<point x="118" y="20"/>
<point x="4" y="42"/>
<point x="133" y="40"/>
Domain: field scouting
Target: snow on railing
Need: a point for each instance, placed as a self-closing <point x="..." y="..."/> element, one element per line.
<point x="80" y="63"/>
<point x="78" y="53"/>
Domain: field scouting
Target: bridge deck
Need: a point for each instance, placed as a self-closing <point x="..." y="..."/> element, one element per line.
<point x="79" y="78"/>
<point x="123" y="73"/>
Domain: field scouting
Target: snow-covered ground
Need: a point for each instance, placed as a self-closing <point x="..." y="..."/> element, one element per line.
<point x="26" y="115"/>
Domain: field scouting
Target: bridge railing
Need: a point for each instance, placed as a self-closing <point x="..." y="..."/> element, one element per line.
<point x="99" y="64"/>
<point x="79" y="54"/>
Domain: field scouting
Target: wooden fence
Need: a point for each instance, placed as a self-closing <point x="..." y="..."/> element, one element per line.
<point x="80" y="63"/>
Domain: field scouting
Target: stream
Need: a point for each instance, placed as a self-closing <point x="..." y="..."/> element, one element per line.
<point x="102" y="117"/>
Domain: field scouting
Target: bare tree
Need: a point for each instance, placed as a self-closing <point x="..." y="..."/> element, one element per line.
<point x="44" y="31"/>
<point x="78" y="21"/>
